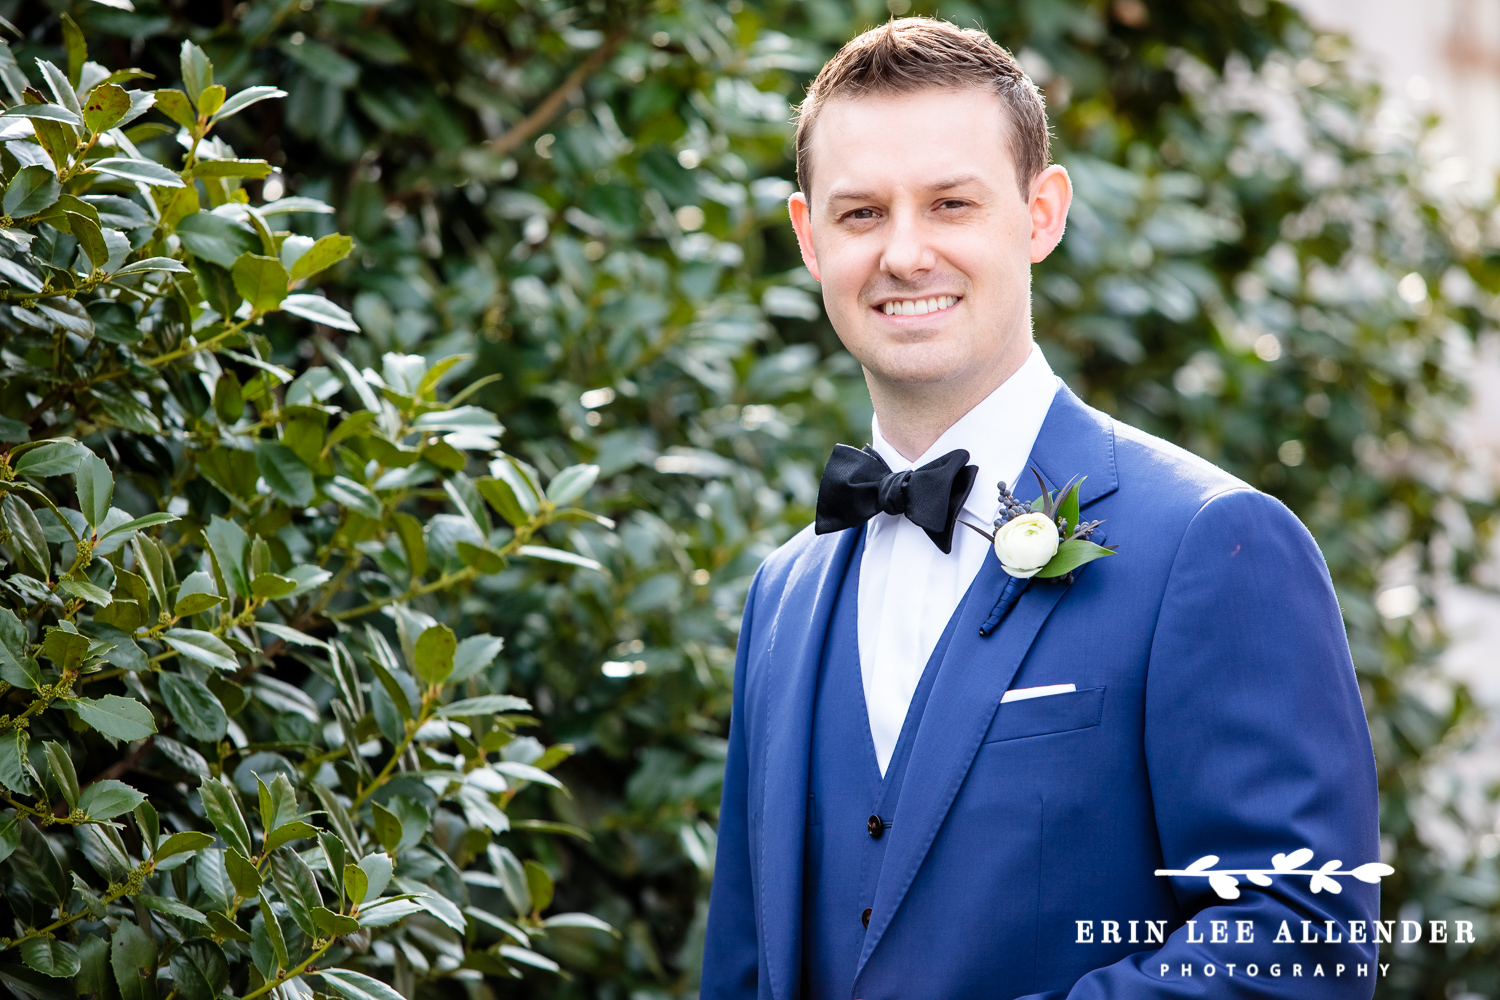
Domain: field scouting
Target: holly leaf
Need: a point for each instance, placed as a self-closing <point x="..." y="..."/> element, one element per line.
<point x="261" y="281"/>
<point x="106" y="105"/>
<point x="116" y="717"/>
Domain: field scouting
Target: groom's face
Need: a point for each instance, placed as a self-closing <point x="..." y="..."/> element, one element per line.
<point x="918" y="231"/>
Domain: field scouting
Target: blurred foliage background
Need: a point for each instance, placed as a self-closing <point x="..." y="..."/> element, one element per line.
<point x="1262" y="265"/>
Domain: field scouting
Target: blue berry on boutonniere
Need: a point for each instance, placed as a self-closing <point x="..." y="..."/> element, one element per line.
<point x="1046" y="538"/>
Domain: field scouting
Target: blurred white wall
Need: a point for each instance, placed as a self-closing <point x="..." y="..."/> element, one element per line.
<point x="1443" y="57"/>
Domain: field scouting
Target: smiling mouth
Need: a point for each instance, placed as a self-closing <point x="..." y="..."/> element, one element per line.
<point x="918" y="307"/>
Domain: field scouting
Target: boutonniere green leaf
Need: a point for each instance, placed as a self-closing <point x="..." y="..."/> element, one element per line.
<point x="1046" y="538"/>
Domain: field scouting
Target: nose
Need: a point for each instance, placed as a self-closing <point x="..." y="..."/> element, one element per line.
<point x="908" y="253"/>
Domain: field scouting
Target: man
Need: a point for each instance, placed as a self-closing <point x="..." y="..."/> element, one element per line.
<point x="949" y="781"/>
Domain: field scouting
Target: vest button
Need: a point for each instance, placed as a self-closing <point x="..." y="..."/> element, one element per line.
<point x="864" y="917"/>
<point x="875" y="826"/>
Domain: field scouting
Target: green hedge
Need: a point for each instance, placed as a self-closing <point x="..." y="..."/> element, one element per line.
<point x="1260" y="267"/>
<point x="209" y="567"/>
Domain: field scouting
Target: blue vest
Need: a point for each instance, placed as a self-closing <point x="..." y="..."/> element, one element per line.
<point x="849" y="805"/>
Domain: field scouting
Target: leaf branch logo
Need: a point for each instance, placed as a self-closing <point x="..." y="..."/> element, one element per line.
<point x="1226" y="884"/>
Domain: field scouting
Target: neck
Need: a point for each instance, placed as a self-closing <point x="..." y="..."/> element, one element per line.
<point x="914" y="415"/>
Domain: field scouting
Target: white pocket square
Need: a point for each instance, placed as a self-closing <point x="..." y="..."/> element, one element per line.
<point x="1021" y="694"/>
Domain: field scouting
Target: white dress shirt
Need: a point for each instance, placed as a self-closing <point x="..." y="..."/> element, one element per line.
<point x="908" y="589"/>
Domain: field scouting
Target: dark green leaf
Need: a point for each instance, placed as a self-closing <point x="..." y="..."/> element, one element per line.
<point x="108" y="799"/>
<point x="86" y="591"/>
<point x="357" y="986"/>
<point x="377" y="869"/>
<point x="197" y="712"/>
<point x="51" y="957"/>
<point x="332" y="924"/>
<point x="89" y="236"/>
<point x="95" y="979"/>
<point x="320" y="310"/>
<point x="197" y="70"/>
<point x="54" y="458"/>
<point x="203" y="647"/>
<point x="132" y="955"/>
<point x="26" y="533"/>
<point x="230" y="546"/>
<point x="216" y="239"/>
<point x="195" y="594"/>
<point x="387" y="827"/>
<point x="139" y="524"/>
<point x="139" y="171"/>
<point x="1072" y="554"/>
<point x="245" y="877"/>
<point x="272" y="586"/>
<point x="32" y="190"/>
<point x="14" y="767"/>
<point x="96" y="488"/>
<point x="347" y="493"/>
<point x="222" y="806"/>
<point x="226" y="928"/>
<point x="274" y="933"/>
<point x="186" y="842"/>
<point x="286" y="474"/>
<point x="244" y="98"/>
<point x="152" y="264"/>
<point x="229" y="399"/>
<point x="571" y="483"/>
<point x="297" y="888"/>
<point x="199" y="969"/>
<point x="174" y="908"/>
<point x="485" y="704"/>
<point x="116" y="717"/>
<point x="502" y="496"/>
<point x="474" y="655"/>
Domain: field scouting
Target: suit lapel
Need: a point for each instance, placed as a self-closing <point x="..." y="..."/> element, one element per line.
<point x="789" y="689"/>
<point x="977" y="669"/>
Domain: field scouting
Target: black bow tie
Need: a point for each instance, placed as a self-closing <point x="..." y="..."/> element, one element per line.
<point x="857" y="485"/>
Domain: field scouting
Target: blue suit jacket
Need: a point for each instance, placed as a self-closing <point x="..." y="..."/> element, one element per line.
<point x="1216" y="713"/>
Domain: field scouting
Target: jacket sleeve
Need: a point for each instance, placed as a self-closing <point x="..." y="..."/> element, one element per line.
<point x="1257" y="745"/>
<point x="731" y="954"/>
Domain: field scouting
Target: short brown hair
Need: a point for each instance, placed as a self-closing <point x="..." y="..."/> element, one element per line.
<point x="909" y="54"/>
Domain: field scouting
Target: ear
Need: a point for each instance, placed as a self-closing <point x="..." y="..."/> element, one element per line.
<point x="802" y="223"/>
<point x="1051" y="194"/>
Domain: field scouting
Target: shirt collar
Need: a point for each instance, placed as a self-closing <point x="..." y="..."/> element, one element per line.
<point x="998" y="433"/>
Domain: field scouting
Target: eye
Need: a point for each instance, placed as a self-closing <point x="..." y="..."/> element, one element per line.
<point x="953" y="203"/>
<point x="860" y="214"/>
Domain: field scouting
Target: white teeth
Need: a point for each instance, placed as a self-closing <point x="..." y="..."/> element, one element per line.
<point x="918" y="307"/>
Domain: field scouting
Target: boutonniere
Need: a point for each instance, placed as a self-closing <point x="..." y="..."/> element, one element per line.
<point x="1046" y="538"/>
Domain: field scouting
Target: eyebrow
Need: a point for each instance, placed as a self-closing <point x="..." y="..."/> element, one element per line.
<point x="949" y="183"/>
<point x="943" y="184"/>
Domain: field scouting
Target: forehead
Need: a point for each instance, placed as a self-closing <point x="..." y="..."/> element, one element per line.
<point x="886" y="141"/>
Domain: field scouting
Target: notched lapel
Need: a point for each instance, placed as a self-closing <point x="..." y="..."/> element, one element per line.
<point x="1075" y="440"/>
<point x="789" y="686"/>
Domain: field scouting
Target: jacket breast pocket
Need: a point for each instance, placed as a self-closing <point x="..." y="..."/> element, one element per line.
<point x="1053" y="713"/>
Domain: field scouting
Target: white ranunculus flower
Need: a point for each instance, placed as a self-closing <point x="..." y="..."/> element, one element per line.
<point x="1026" y="543"/>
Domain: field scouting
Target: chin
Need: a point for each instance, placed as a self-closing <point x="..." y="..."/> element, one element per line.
<point x="918" y="364"/>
